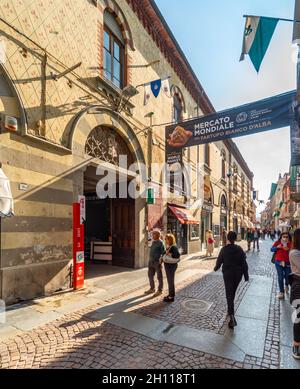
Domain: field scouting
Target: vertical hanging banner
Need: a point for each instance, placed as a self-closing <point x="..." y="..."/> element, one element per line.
<point x="78" y="248"/>
<point x="260" y="116"/>
<point x="295" y="136"/>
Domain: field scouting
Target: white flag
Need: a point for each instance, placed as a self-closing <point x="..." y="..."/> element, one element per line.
<point x="166" y="87"/>
<point x="147" y="94"/>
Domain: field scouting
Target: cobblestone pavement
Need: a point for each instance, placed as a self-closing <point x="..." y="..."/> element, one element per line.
<point x="78" y="341"/>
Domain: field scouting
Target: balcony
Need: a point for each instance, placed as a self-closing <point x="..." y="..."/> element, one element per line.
<point x="295" y="184"/>
<point x="295" y="190"/>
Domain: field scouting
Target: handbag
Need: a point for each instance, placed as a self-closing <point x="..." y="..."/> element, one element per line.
<point x="170" y="260"/>
<point x="293" y="277"/>
<point x="273" y="260"/>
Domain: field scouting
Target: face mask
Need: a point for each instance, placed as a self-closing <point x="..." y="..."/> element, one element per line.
<point x="284" y="240"/>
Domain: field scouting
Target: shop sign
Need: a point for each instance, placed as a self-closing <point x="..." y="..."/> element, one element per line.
<point x="150" y="196"/>
<point x="82" y="202"/>
<point x="78" y="248"/>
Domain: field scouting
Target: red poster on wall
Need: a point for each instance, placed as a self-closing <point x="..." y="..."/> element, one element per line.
<point x="78" y="249"/>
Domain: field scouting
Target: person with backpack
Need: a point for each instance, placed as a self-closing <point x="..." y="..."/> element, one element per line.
<point x="171" y="258"/>
<point x="232" y="259"/>
<point x="281" y="250"/>
<point x="295" y="291"/>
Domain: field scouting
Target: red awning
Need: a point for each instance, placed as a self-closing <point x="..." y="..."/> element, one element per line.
<point x="184" y="215"/>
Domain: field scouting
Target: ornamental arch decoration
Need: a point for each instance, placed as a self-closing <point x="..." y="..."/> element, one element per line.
<point x="88" y="132"/>
<point x="107" y="145"/>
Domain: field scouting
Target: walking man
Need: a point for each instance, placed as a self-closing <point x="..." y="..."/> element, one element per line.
<point x="256" y="237"/>
<point x="155" y="265"/>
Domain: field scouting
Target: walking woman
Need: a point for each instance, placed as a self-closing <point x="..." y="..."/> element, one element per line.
<point x="233" y="259"/>
<point x="295" y="291"/>
<point x="249" y="238"/>
<point x="210" y="244"/>
<point x="171" y="258"/>
<point x="281" y="250"/>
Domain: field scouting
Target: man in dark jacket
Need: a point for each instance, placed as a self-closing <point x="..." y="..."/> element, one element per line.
<point x="232" y="259"/>
<point x="155" y="265"/>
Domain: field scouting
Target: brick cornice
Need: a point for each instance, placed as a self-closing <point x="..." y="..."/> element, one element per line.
<point x="155" y="24"/>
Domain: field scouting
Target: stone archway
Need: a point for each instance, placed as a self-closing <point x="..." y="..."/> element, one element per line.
<point x="98" y="137"/>
<point x="95" y="117"/>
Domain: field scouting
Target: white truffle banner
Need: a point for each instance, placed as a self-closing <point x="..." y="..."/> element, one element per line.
<point x="264" y="115"/>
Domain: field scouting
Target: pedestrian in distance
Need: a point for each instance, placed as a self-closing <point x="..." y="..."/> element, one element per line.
<point x="224" y="237"/>
<point x="232" y="259"/>
<point x="171" y="258"/>
<point x="210" y="244"/>
<point x="295" y="291"/>
<point x="272" y="235"/>
<point x="155" y="265"/>
<point x="249" y="238"/>
<point x="281" y="250"/>
<point x="256" y="238"/>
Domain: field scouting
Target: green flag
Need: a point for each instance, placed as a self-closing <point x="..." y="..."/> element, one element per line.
<point x="257" y="37"/>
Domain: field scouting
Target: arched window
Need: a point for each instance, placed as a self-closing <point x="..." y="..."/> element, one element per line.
<point x="223" y="202"/>
<point x="178" y="109"/>
<point x="114" y="51"/>
<point x="243" y="186"/>
<point x="235" y="177"/>
<point x="207" y="154"/>
<point x="223" y="156"/>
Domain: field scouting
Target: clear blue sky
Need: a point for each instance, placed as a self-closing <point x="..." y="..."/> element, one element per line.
<point x="210" y="34"/>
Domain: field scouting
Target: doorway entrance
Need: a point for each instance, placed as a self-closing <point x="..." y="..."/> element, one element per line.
<point x="109" y="226"/>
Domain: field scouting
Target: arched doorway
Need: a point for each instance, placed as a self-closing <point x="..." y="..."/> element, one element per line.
<point x="110" y="225"/>
<point x="98" y="137"/>
<point x="224" y="213"/>
<point x="207" y="210"/>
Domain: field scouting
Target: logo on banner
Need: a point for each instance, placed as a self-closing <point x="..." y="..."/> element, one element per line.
<point x="242" y="117"/>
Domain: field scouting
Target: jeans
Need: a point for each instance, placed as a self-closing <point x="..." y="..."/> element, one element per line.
<point x="256" y="243"/>
<point x="297" y="326"/>
<point x="170" y="272"/>
<point x="232" y="281"/>
<point x="295" y="301"/>
<point x="283" y="274"/>
<point x="155" y="268"/>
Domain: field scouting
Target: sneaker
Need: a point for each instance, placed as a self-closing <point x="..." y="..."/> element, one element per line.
<point x="287" y="290"/>
<point x="281" y="296"/>
<point x="232" y="322"/>
<point x="296" y="352"/>
<point x="169" y="299"/>
<point x="158" y="293"/>
<point x="150" y="291"/>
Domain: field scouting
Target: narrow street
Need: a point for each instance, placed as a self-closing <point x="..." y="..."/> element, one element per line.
<point x="131" y="331"/>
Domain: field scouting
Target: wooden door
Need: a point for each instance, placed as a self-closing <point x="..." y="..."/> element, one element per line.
<point x="123" y="232"/>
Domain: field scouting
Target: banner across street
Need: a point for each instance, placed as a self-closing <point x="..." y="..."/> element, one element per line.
<point x="264" y="115"/>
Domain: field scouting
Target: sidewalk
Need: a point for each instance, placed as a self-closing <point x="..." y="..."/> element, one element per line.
<point x="26" y="316"/>
<point x="134" y="331"/>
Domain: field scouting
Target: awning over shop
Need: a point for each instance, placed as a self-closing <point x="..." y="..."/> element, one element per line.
<point x="6" y="199"/>
<point x="184" y="215"/>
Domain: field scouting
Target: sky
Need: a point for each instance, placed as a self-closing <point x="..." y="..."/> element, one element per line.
<point x="210" y="34"/>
